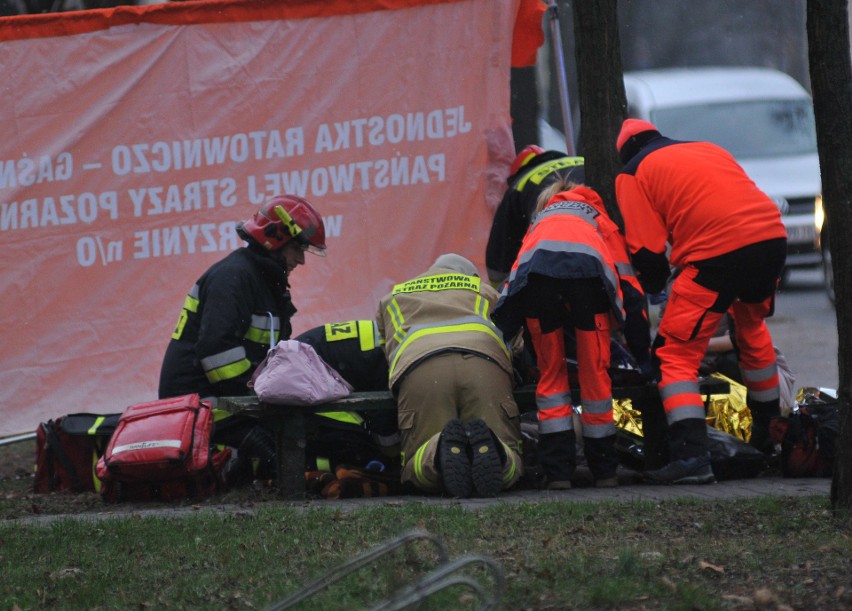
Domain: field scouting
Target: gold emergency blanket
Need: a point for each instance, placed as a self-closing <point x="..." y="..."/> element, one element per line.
<point x="727" y="412"/>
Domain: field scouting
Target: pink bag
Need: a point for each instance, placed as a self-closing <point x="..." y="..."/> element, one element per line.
<point x="294" y="374"/>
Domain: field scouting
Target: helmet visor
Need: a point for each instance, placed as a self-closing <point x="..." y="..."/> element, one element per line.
<point x="306" y="246"/>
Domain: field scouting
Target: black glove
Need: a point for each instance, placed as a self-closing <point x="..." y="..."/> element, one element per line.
<point x="647" y="370"/>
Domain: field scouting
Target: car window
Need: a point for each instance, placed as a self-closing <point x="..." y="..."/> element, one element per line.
<point x="748" y="129"/>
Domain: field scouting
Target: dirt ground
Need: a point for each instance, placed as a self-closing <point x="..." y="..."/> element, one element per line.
<point x="17" y="499"/>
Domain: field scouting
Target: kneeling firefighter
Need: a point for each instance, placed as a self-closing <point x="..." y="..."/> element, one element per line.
<point x="236" y="310"/>
<point x="451" y="372"/>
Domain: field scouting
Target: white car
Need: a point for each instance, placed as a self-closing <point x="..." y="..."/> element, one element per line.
<point x="763" y="117"/>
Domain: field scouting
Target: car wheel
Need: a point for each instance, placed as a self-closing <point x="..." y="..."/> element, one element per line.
<point x="827" y="271"/>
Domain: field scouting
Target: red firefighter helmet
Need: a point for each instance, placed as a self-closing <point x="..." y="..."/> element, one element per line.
<point x="524" y="157"/>
<point x="284" y="218"/>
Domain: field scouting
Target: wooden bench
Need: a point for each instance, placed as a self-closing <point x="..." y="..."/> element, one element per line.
<point x="289" y="423"/>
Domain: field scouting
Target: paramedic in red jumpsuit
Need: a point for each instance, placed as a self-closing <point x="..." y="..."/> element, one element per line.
<point x="727" y="239"/>
<point x="565" y="275"/>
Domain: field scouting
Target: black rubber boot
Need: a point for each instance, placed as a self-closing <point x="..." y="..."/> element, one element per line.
<point x="486" y="458"/>
<point x="259" y="444"/>
<point x="690" y="456"/>
<point x="453" y="457"/>
<point x="557" y="454"/>
<point x="238" y="471"/>
<point x="688" y="438"/>
<point x="602" y="459"/>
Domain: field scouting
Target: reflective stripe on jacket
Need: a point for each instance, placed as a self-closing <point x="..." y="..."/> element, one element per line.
<point x="237" y="309"/>
<point x="513" y="214"/>
<point x="564" y="242"/>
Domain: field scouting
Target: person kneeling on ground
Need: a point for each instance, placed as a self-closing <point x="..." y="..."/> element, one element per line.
<point x="451" y="372"/>
<point x="231" y="316"/>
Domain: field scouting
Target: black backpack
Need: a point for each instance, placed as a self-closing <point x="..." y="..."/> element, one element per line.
<point x="67" y="450"/>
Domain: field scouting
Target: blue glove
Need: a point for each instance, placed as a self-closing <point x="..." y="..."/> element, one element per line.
<point x="658" y="298"/>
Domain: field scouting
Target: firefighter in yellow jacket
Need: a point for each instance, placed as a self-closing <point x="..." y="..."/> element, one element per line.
<point x="451" y="372"/>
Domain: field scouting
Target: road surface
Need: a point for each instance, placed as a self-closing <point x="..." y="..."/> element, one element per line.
<point x="804" y="327"/>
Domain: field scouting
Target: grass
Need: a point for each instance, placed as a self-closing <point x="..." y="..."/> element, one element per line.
<point x="769" y="552"/>
<point x="677" y="555"/>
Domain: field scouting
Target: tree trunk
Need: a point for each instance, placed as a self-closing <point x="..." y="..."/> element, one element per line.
<point x="603" y="104"/>
<point x="524" y="107"/>
<point x="831" y="82"/>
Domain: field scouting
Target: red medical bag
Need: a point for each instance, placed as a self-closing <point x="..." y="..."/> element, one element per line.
<point x="161" y="450"/>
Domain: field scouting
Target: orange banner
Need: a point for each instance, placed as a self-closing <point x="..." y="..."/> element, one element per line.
<point x="132" y="143"/>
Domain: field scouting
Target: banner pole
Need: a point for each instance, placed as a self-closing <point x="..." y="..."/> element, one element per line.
<point x="17" y="438"/>
<point x="556" y="43"/>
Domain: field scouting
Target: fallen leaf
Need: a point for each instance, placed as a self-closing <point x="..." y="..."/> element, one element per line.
<point x="67" y="572"/>
<point x="736" y="598"/>
<point x="703" y="564"/>
<point x="764" y="596"/>
<point x="668" y="583"/>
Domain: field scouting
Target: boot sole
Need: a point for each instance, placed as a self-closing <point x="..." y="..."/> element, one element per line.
<point x="696" y="479"/>
<point x="486" y="467"/>
<point x="706" y="478"/>
<point x="455" y="464"/>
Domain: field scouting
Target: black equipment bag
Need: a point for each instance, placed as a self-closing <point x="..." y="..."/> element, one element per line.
<point x="807" y="437"/>
<point x="67" y="451"/>
<point x="730" y="457"/>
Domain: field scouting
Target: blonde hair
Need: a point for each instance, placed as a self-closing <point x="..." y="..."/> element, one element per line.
<point x="558" y="186"/>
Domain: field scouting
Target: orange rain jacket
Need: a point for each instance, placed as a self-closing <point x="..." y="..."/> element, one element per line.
<point x="695" y="197"/>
